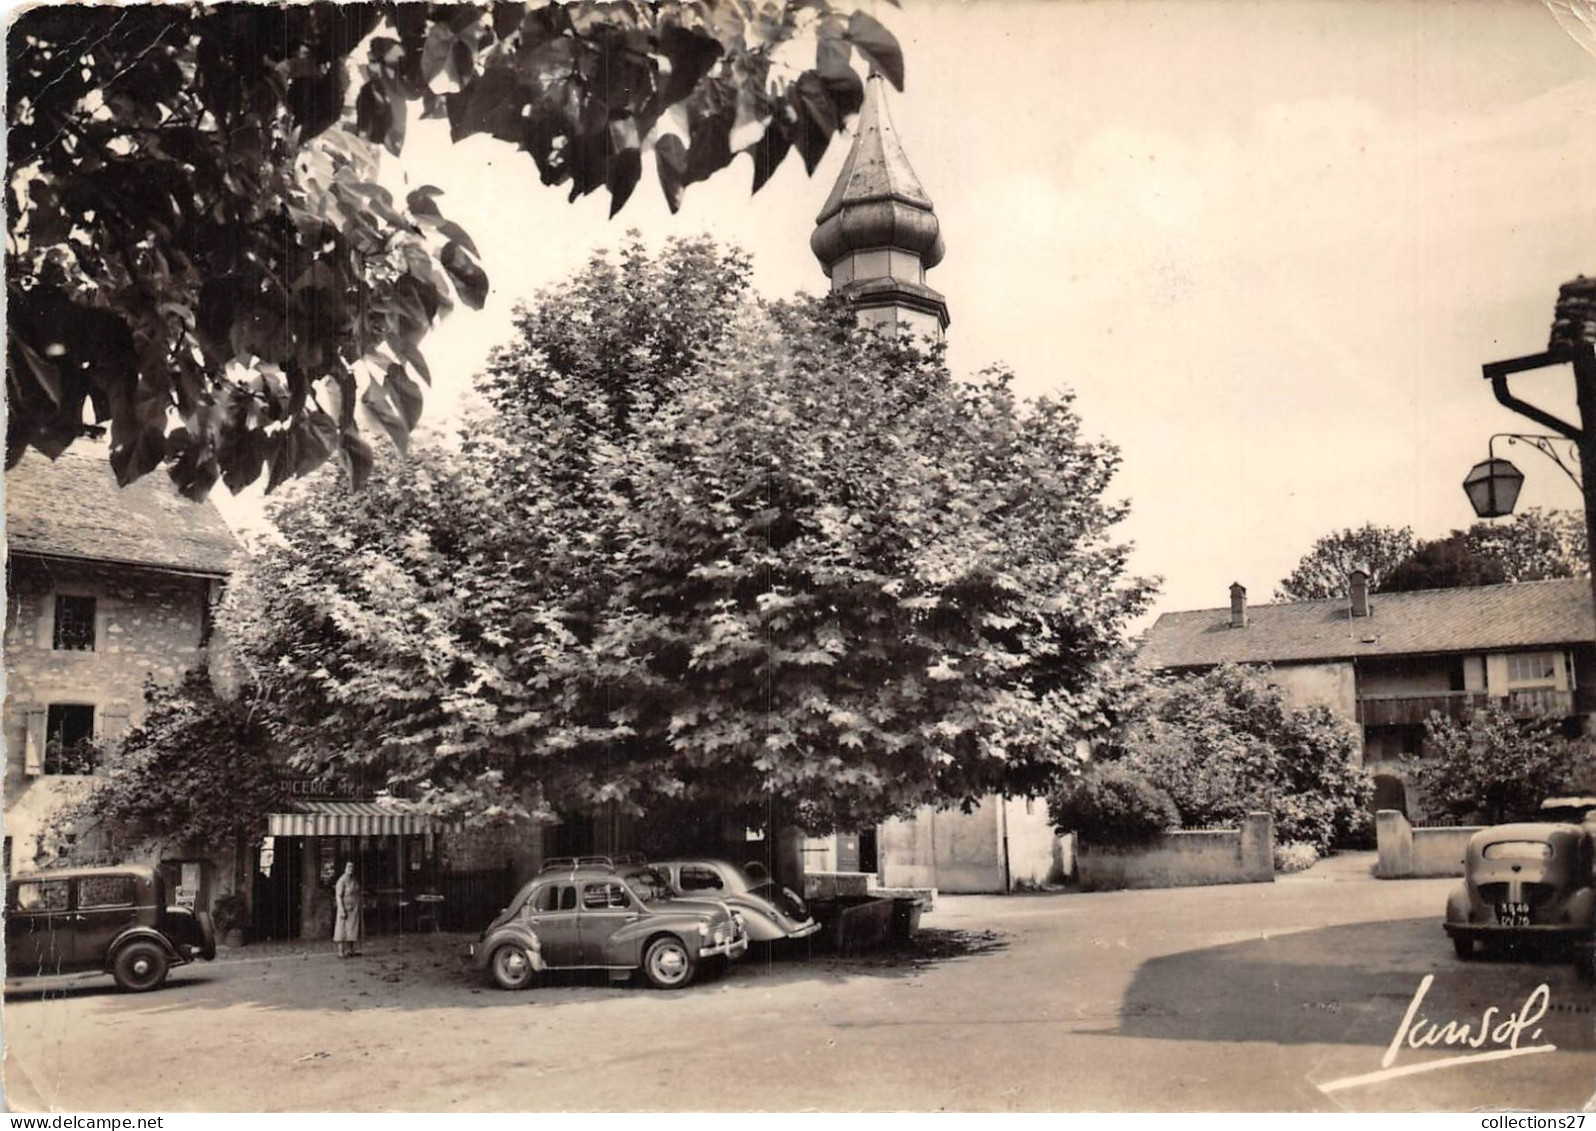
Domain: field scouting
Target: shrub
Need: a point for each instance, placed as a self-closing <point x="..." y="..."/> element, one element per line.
<point x="1111" y="806"/>
<point x="1227" y="742"/>
<point x="1295" y="857"/>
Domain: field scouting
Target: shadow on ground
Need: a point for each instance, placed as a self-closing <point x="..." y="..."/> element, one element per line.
<point x="432" y="971"/>
<point x="1345" y="985"/>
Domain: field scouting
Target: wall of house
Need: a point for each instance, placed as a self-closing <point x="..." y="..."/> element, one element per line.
<point x="1426" y="676"/>
<point x="1035" y="856"/>
<point x="1184" y="859"/>
<point x="1331" y="685"/>
<point x="959" y="852"/>
<point x="149" y="626"/>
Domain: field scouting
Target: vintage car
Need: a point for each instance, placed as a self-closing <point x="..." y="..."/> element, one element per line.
<point x="1530" y="880"/>
<point x="591" y="914"/>
<point x="771" y="911"/>
<point x="106" y="920"/>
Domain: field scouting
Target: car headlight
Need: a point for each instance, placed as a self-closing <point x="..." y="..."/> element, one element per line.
<point x="703" y="929"/>
<point x="739" y="922"/>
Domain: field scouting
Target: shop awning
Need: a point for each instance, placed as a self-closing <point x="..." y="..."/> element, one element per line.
<point x="349" y="818"/>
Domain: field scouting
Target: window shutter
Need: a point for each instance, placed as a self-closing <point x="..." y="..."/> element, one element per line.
<point x="113" y="724"/>
<point x="33" y="744"/>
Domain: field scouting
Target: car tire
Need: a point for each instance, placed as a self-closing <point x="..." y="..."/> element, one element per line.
<point x="1462" y="947"/>
<point x="668" y="964"/>
<point x="139" y="967"/>
<point x="511" y="967"/>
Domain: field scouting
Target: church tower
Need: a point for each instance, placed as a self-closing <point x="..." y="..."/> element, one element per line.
<point x="878" y="234"/>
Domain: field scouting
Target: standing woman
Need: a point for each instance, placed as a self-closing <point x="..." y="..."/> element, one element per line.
<point x="348" y="899"/>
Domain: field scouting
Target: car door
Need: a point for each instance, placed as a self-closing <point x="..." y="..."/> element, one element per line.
<point x="38" y="927"/>
<point x="606" y="907"/>
<point x="107" y="906"/>
<point x="551" y="913"/>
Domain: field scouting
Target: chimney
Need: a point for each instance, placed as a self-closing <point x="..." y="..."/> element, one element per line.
<point x="1238" y="605"/>
<point x="1360" y="591"/>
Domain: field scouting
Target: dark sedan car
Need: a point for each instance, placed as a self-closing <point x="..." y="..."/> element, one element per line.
<point x="1531" y="880"/>
<point x="108" y="920"/>
<point x="771" y="911"/>
<point x="586" y="915"/>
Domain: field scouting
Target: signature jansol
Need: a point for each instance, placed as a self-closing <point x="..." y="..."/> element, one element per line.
<point x="1495" y="1032"/>
<point x="1495" y="1035"/>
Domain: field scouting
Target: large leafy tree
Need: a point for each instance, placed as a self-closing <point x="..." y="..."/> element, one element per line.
<point x="1534" y="545"/>
<point x="703" y="551"/>
<point x="1497" y="767"/>
<point x="1226" y="742"/>
<point x="1324" y="569"/>
<point x="200" y="251"/>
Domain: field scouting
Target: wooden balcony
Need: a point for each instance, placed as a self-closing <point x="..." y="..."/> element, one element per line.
<point x="1542" y="701"/>
<point x="1413" y="709"/>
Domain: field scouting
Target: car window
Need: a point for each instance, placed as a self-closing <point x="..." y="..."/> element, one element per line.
<point x="602" y="897"/>
<point x="648" y="885"/>
<point x="42" y="895"/>
<point x="105" y="891"/>
<point x="555" y="897"/>
<point x="696" y="877"/>
<point x="1518" y="850"/>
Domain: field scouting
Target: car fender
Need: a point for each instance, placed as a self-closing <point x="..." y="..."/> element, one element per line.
<point x="517" y="933"/>
<point x="627" y="944"/>
<point x="140" y="934"/>
<point x="761" y="925"/>
<point x="1457" y="905"/>
<point x="1582" y="906"/>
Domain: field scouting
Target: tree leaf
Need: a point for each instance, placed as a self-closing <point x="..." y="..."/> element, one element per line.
<point x="878" y="45"/>
<point x="469" y="279"/>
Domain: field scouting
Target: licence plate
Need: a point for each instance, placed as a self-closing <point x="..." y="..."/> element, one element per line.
<point x="1513" y="914"/>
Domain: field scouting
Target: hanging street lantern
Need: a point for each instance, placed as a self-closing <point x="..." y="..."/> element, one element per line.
<point x="1492" y="486"/>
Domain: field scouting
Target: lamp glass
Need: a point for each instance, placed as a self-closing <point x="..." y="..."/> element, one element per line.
<point x="1492" y="487"/>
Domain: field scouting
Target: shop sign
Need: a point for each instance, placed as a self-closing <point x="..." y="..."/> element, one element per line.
<point x="323" y="789"/>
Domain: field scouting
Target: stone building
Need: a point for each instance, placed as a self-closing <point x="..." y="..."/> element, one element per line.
<point x="107" y="588"/>
<point x="1384" y="661"/>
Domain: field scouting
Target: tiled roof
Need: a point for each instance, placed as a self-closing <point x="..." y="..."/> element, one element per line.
<point x="72" y="507"/>
<point x="1486" y="618"/>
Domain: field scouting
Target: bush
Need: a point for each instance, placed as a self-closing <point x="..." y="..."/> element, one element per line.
<point x="1227" y="742"/>
<point x="1295" y="857"/>
<point x="1111" y="806"/>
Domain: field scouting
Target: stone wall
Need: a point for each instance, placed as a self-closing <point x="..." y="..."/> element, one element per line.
<point x="1407" y="852"/>
<point x="149" y="625"/>
<point x="1184" y="859"/>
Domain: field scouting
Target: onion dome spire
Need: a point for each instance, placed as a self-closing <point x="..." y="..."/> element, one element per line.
<point x="878" y="233"/>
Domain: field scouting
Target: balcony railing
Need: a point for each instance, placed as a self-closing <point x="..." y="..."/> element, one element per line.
<point x="1413" y="709"/>
<point x="1541" y="701"/>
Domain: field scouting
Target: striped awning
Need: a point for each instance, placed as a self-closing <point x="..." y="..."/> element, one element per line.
<point x="348" y="818"/>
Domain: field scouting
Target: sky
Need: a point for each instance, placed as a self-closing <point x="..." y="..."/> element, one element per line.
<point x="1266" y="246"/>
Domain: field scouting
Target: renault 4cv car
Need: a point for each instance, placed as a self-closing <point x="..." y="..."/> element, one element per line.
<point x="590" y="914"/>
<point x="1530" y="880"/>
<point x="106" y="920"/>
<point x="771" y="911"/>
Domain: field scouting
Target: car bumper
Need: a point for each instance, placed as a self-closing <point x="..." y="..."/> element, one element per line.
<point x="729" y="949"/>
<point x="809" y="928"/>
<point x="1571" y="931"/>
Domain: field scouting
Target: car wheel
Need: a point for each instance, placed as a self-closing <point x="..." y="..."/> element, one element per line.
<point x="512" y="968"/>
<point x="139" y="966"/>
<point x="1463" y="947"/>
<point x="668" y="964"/>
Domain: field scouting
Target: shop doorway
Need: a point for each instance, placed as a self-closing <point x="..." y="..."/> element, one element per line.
<point x="276" y="912"/>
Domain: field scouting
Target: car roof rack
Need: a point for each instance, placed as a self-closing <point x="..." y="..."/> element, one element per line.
<point x="571" y="863"/>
